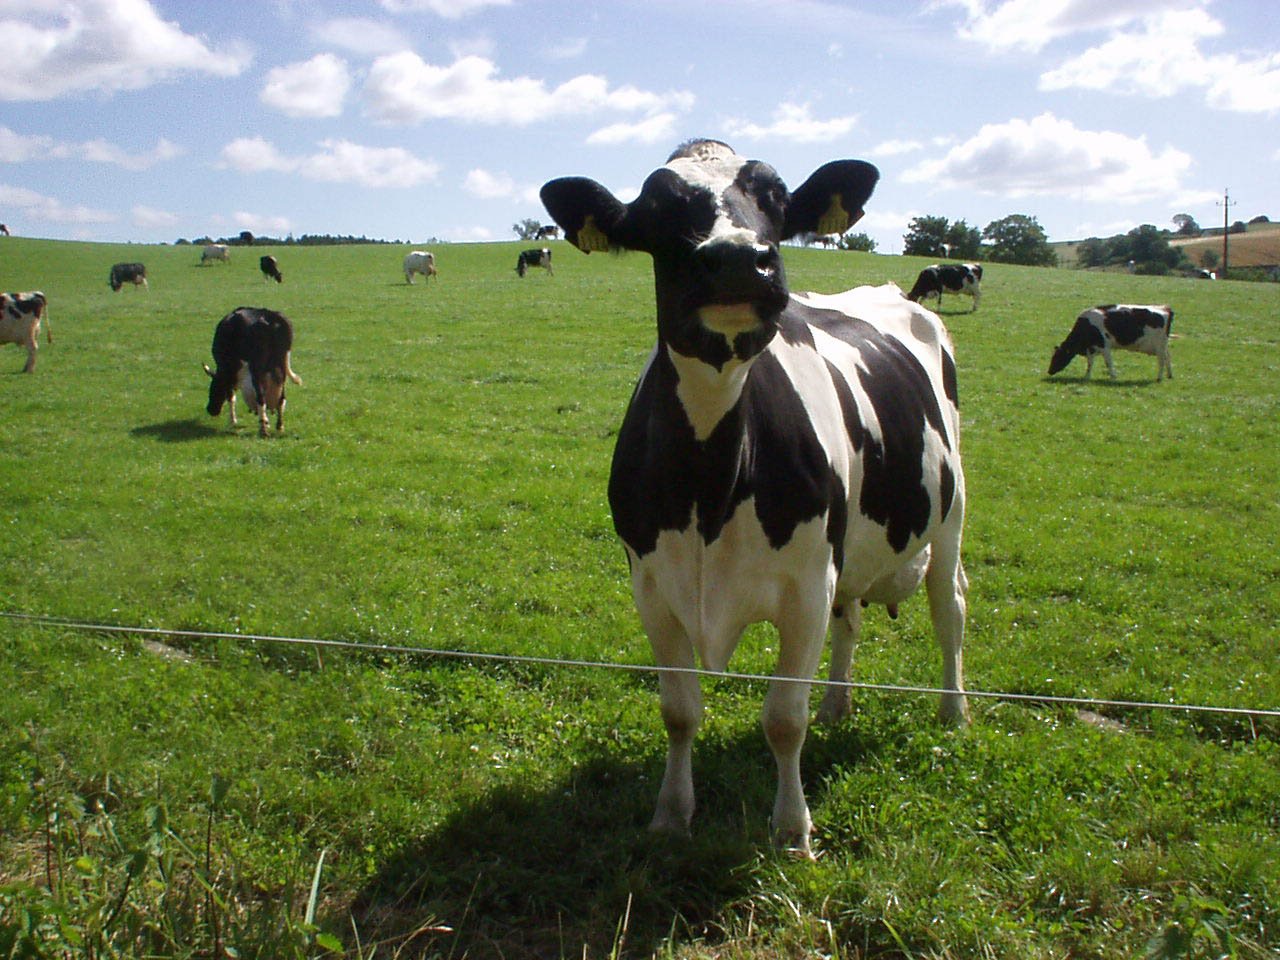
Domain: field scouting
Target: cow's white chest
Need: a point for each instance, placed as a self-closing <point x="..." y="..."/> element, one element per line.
<point x="715" y="590"/>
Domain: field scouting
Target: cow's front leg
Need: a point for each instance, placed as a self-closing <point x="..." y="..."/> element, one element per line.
<point x="231" y="408"/>
<point x="280" y="414"/>
<point x="1111" y="367"/>
<point x="846" y="624"/>
<point x="786" y="719"/>
<point x="681" y="713"/>
<point x="262" y="420"/>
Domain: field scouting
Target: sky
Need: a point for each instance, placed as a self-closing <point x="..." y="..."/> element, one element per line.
<point x="152" y="120"/>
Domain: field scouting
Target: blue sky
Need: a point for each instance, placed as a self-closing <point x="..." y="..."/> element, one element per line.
<point x="150" y="120"/>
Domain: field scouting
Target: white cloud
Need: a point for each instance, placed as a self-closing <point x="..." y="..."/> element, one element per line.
<point x="895" y="148"/>
<point x="337" y="161"/>
<point x="40" y="208"/>
<point x="402" y="88"/>
<point x="449" y="9"/>
<point x="315" y="88"/>
<point x="1032" y="24"/>
<point x="149" y="218"/>
<point x="105" y="45"/>
<point x="21" y="148"/>
<point x="359" y="35"/>
<point x="568" y="50"/>
<point x="655" y="129"/>
<point x="499" y="186"/>
<point x="1048" y="156"/>
<point x="792" y="122"/>
<point x="257" y="223"/>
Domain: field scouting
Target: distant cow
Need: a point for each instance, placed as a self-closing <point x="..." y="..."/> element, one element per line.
<point x="123" y="273"/>
<point x="270" y="269"/>
<point x="784" y="456"/>
<point x="251" y="348"/>
<point x="20" y="316"/>
<point x="4" y="230"/>
<point x="419" y="261"/>
<point x="215" y="251"/>
<point x="949" y="277"/>
<point x="1206" y="275"/>
<point x="549" y="232"/>
<point x="534" y="258"/>
<point x="1141" y="328"/>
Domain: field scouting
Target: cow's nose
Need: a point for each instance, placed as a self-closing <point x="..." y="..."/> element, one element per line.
<point x="739" y="260"/>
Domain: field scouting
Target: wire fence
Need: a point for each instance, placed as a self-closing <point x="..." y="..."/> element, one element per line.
<point x="572" y="664"/>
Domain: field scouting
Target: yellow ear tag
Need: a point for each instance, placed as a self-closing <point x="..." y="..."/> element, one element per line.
<point x="590" y="237"/>
<point x="837" y="218"/>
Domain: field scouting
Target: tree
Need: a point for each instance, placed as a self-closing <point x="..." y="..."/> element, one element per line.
<point x="246" y="238"/>
<point x="1186" y="224"/>
<point x="526" y="229"/>
<point x="1148" y="247"/>
<point x="925" y="237"/>
<point x="857" y="241"/>
<point x="963" y="241"/>
<point x="1093" y="252"/>
<point x="1210" y="259"/>
<point x="1019" y="239"/>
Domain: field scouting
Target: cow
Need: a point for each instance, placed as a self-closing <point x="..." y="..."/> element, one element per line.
<point x="251" y="348"/>
<point x="1142" y="328"/>
<point x="419" y="261"/>
<point x="215" y="251"/>
<point x="122" y="273"/>
<point x="534" y="258"/>
<point x="270" y="269"/>
<point x="4" y="229"/>
<point x="548" y="232"/>
<point x="20" y="316"/>
<point x="783" y="457"/>
<point x="949" y="277"/>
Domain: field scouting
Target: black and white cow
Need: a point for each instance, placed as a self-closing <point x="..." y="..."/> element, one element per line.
<point x="783" y="456"/>
<point x="1142" y="328"/>
<point x="20" y="316"/>
<point x="270" y="269"/>
<point x="534" y="258"/>
<point x="251" y="348"/>
<point x="122" y="273"/>
<point x="547" y="232"/>
<point x="951" y="278"/>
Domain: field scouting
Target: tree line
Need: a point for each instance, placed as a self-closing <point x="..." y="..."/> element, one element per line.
<point x="1016" y="238"/>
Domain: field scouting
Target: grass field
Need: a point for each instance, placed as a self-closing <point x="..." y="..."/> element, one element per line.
<point x="440" y="483"/>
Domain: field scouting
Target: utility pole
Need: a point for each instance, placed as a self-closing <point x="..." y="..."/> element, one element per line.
<point x="1226" y="205"/>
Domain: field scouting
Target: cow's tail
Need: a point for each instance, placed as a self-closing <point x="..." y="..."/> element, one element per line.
<point x="1168" y="327"/>
<point x="288" y="371"/>
<point x="48" y="330"/>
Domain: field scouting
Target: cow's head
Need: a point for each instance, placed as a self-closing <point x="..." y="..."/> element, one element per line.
<point x="221" y="386"/>
<point x="712" y="222"/>
<point x="1062" y="356"/>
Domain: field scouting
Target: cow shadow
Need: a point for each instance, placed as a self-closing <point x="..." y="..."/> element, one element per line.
<point x="1103" y="382"/>
<point x="177" y="431"/>
<point x="568" y="868"/>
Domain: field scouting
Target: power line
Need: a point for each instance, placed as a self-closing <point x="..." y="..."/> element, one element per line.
<point x="426" y="652"/>
<point x="1226" y="204"/>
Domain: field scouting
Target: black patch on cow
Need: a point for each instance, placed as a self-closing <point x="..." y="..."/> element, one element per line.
<point x="765" y="448"/>
<point x="893" y="491"/>
<point x="946" y="488"/>
<point x="1126" y="325"/>
<point x="32" y="304"/>
<point x="248" y="335"/>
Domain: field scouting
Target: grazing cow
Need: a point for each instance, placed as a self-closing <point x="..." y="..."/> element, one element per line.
<point x="534" y="258"/>
<point x="1141" y="328"/>
<point x="251" y="349"/>
<point x="949" y="277"/>
<point x="419" y="261"/>
<point x="4" y="230"/>
<point x="783" y="457"/>
<point x="270" y="269"/>
<point x="549" y="232"/>
<point x="122" y="273"/>
<point x="1206" y="275"/>
<point x="215" y="251"/>
<point x="20" y="316"/>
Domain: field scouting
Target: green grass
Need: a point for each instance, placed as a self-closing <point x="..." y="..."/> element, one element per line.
<point x="440" y="483"/>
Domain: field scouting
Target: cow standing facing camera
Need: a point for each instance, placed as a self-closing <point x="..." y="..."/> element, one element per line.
<point x="784" y="456"/>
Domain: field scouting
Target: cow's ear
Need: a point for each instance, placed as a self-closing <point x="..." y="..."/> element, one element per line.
<point x="831" y="200"/>
<point x="592" y="218"/>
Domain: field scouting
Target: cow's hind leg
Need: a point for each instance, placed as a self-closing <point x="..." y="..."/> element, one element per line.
<point x="31" y="351"/>
<point x="946" y="585"/>
<point x="846" y="624"/>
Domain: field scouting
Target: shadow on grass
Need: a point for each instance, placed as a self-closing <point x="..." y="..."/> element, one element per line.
<point x="177" y="431"/>
<point x="552" y="871"/>
<point x="1103" y="382"/>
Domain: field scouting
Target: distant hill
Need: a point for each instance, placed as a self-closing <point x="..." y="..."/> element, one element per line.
<point x="1259" y="246"/>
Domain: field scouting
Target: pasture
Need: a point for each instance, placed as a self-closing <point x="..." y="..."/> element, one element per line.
<point x="440" y="483"/>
